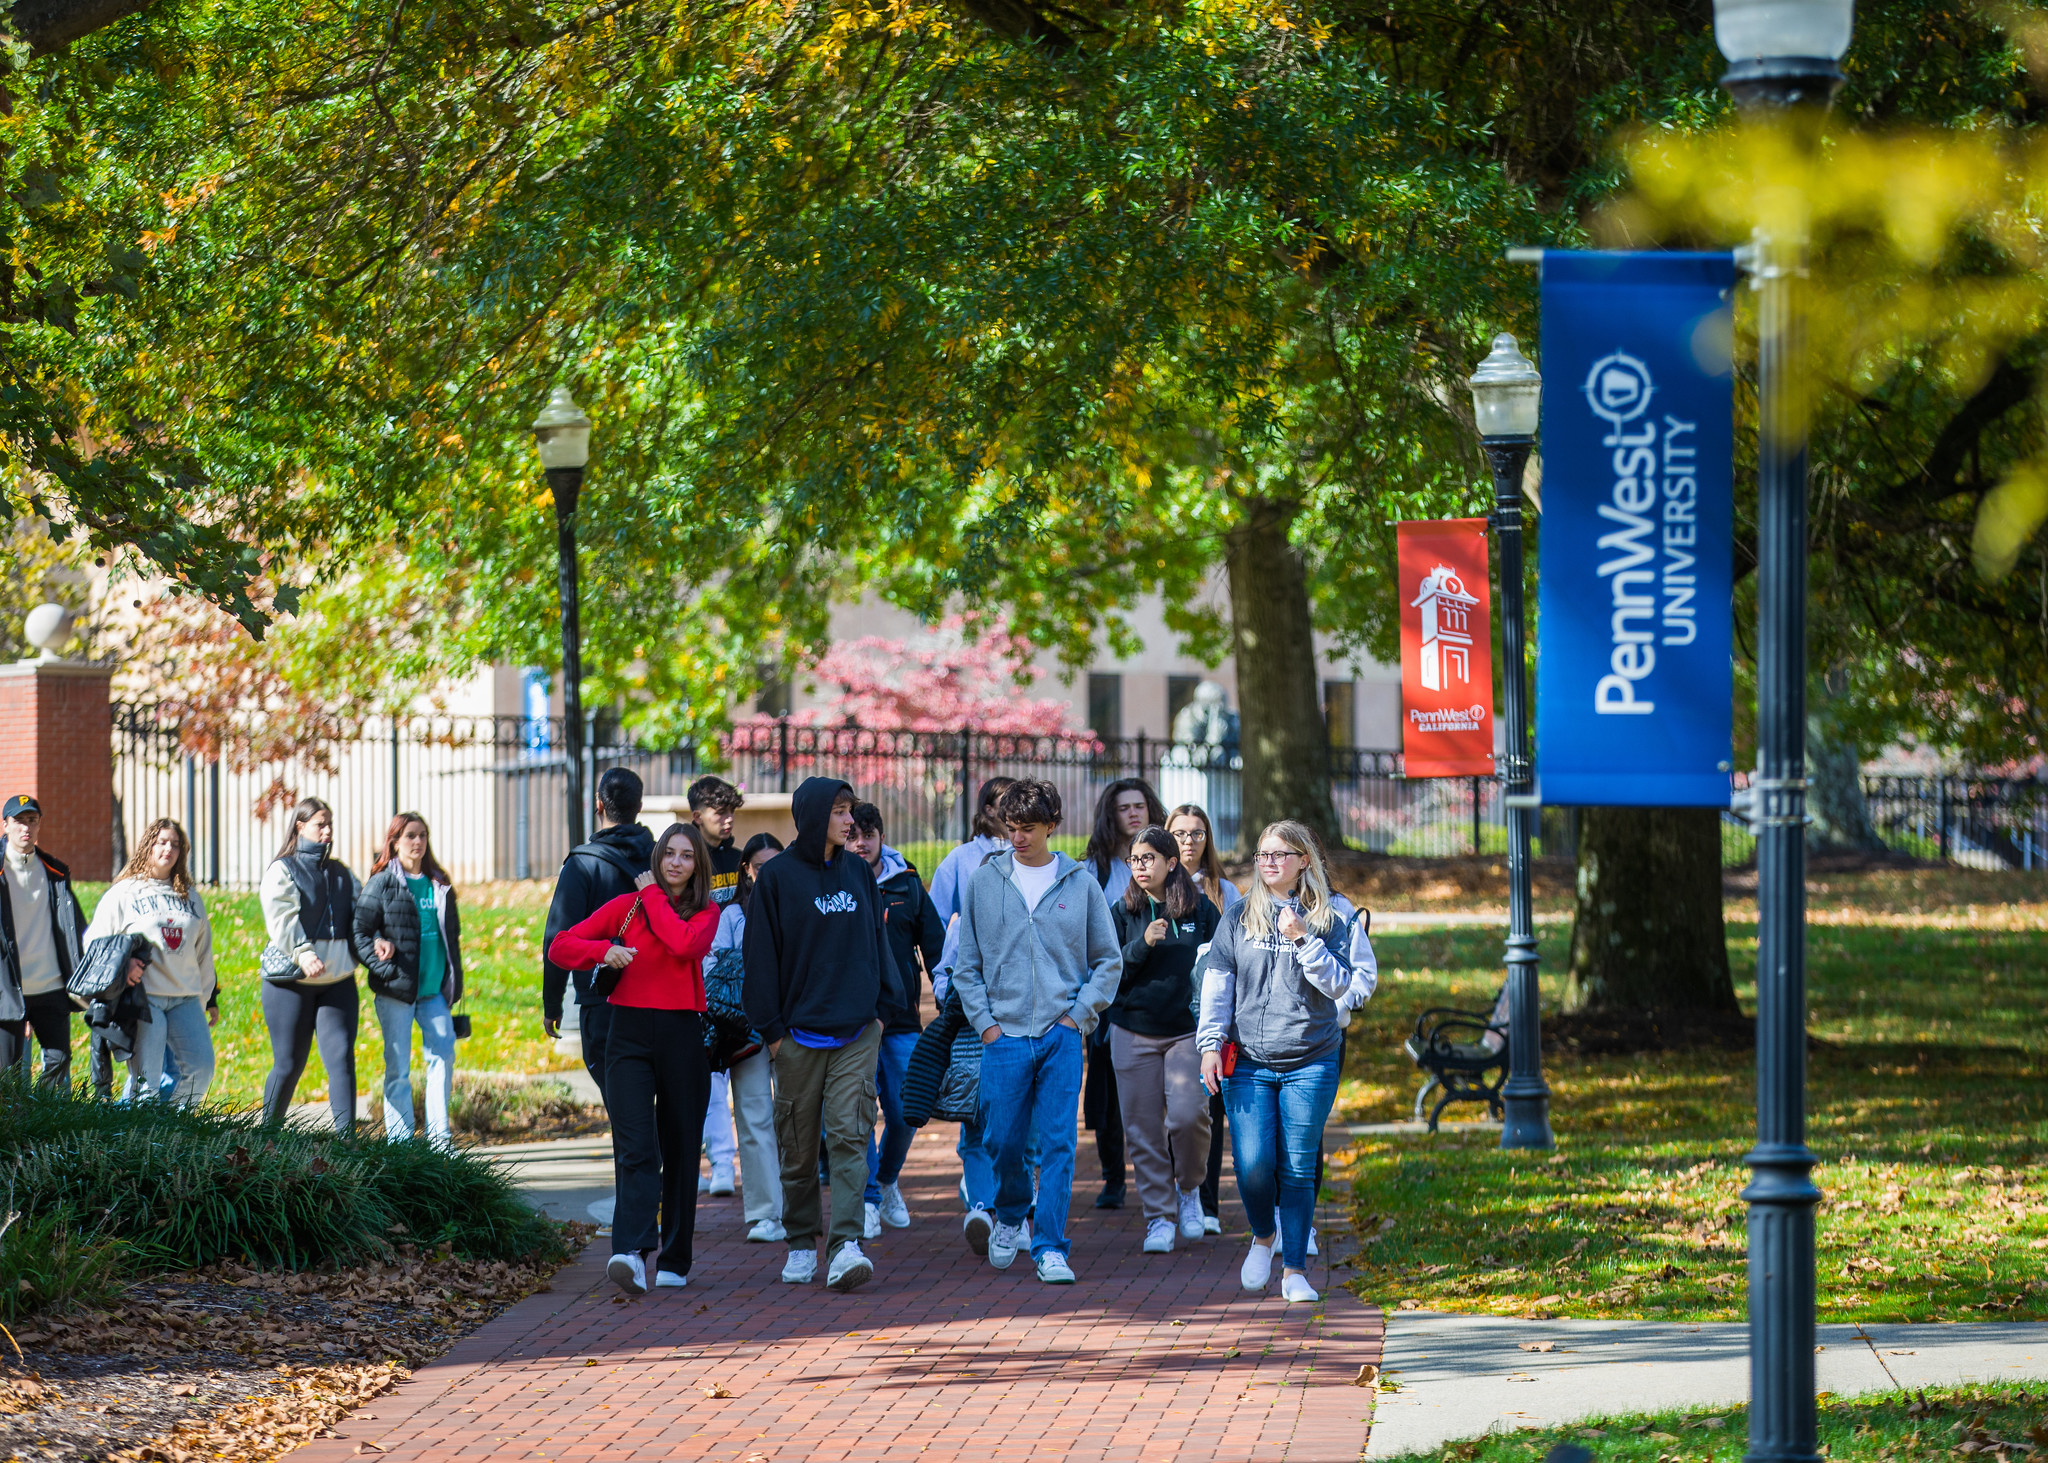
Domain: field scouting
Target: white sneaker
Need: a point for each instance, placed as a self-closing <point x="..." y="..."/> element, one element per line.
<point x="629" y="1273"/>
<point x="1258" y="1267"/>
<point x="977" y="1227"/>
<point x="721" y="1180"/>
<point x="1005" y="1241"/>
<point x="1296" y="1287"/>
<point x="1159" y="1237"/>
<point x="802" y="1268"/>
<point x="850" y="1268"/>
<point x="871" y="1224"/>
<point x="1312" y="1241"/>
<point x="1211" y="1224"/>
<point x="766" y="1232"/>
<point x="669" y="1280"/>
<point x="703" y="1184"/>
<point x="895" y="1213"/>
<point x="1053" y="1268"/>
<point x="1191" y="1214"/>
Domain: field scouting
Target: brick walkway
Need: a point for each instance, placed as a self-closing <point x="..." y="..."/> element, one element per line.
<point x="1148" y="1358"/>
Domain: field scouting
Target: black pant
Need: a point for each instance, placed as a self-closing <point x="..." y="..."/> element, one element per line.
<point x="1212" y="1181"/>
<point x="296" y="1013"/>
<point x="49" y="1016"/>
<point x="657" y="1088"/>
<point x="1102" y="1112"/>
<point x="594" y="1023"/>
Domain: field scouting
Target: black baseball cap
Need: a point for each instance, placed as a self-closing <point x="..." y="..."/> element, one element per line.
<point x="21" y="803"/>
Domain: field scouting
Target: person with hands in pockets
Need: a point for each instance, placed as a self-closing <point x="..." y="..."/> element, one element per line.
<point x="1269" y="1036"/>
<point x="1038" y="964"/>
<point x="652" y="943"/>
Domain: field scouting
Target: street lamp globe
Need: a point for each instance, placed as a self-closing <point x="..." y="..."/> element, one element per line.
<point x="1507" y="392"/>
<point x="1761" y="30"/>
<point x="563" y="431"/>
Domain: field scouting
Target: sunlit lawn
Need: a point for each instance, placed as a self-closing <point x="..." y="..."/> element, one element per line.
<point x="501" y="928"/>
<point x="1926" y="1109"/>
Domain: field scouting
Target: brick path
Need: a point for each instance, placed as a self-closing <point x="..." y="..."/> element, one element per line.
<point x="1148" y="1358"/>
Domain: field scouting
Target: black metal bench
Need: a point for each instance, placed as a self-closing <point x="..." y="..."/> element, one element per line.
<point x="1463" y="1055"/>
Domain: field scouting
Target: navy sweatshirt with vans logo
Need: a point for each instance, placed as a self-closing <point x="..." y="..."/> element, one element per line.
<point x="815" y="949"/>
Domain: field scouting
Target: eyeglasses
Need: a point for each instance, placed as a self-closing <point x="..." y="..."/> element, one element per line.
<point x="1144" y="860"/>
<point x="1275" y="859"/>
<point x="1189" y="835"/>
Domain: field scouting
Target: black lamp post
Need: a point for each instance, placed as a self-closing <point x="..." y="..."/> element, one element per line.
<point x="1782" y="62"/>
<point x="563" y="432"/>
<point x="1507" y="400"/>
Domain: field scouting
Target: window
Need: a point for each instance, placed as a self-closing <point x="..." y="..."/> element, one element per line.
<point x="1180" y="690"/>
<point x="1340" y="712"/>
<point x="1106" y="706"/>
<point x="773" y="698"/>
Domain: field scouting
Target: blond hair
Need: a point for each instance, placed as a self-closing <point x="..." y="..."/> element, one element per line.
<point x="1261" y="915"/>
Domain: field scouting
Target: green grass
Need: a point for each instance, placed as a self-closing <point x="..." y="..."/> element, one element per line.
<point x="501" y="929"/>
<point x="1926" y="1107"/>
<point x="1881" y="1426"/>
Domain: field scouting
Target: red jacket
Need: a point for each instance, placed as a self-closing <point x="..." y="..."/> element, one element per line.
<point x="667" y="973"/>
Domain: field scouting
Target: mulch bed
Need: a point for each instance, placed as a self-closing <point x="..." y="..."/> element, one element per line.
<point x="232" y="1363"/>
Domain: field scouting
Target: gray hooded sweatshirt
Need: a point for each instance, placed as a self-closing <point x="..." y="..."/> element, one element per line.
<point x="1277" y="998"/>
<point x="1024" y="969"/>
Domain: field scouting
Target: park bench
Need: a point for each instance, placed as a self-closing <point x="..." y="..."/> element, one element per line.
<point x="1461" y="1054"/>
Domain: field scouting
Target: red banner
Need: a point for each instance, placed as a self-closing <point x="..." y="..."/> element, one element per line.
<point x="1446" y="649"/>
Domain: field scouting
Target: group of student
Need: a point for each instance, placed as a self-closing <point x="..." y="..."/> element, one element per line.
<point x="1139" y="974"/>
<point x="400" y="928"/>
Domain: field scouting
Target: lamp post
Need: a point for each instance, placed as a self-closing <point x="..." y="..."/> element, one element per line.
<point x="1782" y="58"/>
<point x="1506" y="400"/>
<point x="563" y="432"/>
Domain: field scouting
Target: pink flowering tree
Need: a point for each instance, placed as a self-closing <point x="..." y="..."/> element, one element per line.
<point x="979" y="680"/>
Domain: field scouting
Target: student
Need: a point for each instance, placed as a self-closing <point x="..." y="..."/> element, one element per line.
<point x="1189" y="824"/>
<point x="1038" y="964"/>
<point x="408" y="931"/>
<point x="916" y="937"/>
<point x="594" y="874"/>
<point x="1124" y="807"/>
<point x="657" y="1077"/>
<point x="751" y="1081"/>
<point x="309" y="910"/>
<point x="816" y="955"/>
<point x="1161" y="921"/>
<point x="714" y="803"/>
<point x="949" y="879"/>
<point x="1271" y="987"/>
<point x="40" y="929"/>
<point x="153" y="897"/>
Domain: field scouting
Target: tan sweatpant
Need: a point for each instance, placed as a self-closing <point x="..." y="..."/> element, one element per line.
<point x="1166" y="1115"/>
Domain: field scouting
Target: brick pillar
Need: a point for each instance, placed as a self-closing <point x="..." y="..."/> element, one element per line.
<point x="57" y="743"/>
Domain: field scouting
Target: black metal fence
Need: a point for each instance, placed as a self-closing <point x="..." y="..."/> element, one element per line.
<point x="493" y="788"/>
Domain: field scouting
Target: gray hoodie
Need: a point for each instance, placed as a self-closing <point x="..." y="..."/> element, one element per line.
<point x="1278" y="999"/>
<point x="1023" y="969"/>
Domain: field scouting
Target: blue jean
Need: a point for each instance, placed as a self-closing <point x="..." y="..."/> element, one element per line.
<point x="978" y="1169"/>
<point x="885" y="1159"/>
<point x="1276" y="1130"/>
<point x="1030" y="1101"/>
<point x="437" y="1037"/>
<point x="177" y="1024"/>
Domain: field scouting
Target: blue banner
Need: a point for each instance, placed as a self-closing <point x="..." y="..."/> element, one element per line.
<point x="1634" y="677"/>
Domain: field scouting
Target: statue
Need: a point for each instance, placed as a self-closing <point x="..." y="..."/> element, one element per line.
<point x="1205" y="731"/>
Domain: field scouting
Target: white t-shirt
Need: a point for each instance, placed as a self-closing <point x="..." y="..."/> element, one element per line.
<point x="28" y="894"/>
<point x="1032" y="883"/>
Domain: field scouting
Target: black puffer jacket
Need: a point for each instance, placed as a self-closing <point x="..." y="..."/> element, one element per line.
<point x="386" y="908"/>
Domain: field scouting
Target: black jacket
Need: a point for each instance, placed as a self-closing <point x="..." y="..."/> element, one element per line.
<point x="386" y="907"/>
<point x="67" y="923"/>
<point x="815" y="948"/>
<point x="1158" y="989"/>
<point x="926" y="1071"/>
<point x="592" y="874"/>
<point x="915" y="929"/>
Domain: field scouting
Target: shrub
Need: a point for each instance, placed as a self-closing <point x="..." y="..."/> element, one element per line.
<point x="487" y="1105"/>
<point x="46" y="1263"/>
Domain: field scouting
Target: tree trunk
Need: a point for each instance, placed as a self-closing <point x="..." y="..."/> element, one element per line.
<point x="1648" y="934"/>
<point x="1285" y="745"/>
<point x="1834" y="774"/>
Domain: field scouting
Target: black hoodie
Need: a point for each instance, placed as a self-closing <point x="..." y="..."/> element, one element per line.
<point x="593" y="873"/>
<point x="815" y="948"/>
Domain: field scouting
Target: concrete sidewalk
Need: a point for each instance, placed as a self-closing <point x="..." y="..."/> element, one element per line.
<point x="1462" y="1376"/>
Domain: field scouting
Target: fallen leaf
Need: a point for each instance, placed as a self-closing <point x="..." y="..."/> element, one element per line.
<point x="1549" y="1300"/>
<point x="716" y="1390"/>
<point x="1901" y="1353"/>
<point x="1664" y="1437"/>
<point x="1539" y="1345"/>
<point x="1409" y="1305"/>
<point x="1520" y="1377"/>
<point x="368" y="1447"/>
<point x="1367" y="1375"/>
<point x="590" y="1363"/>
